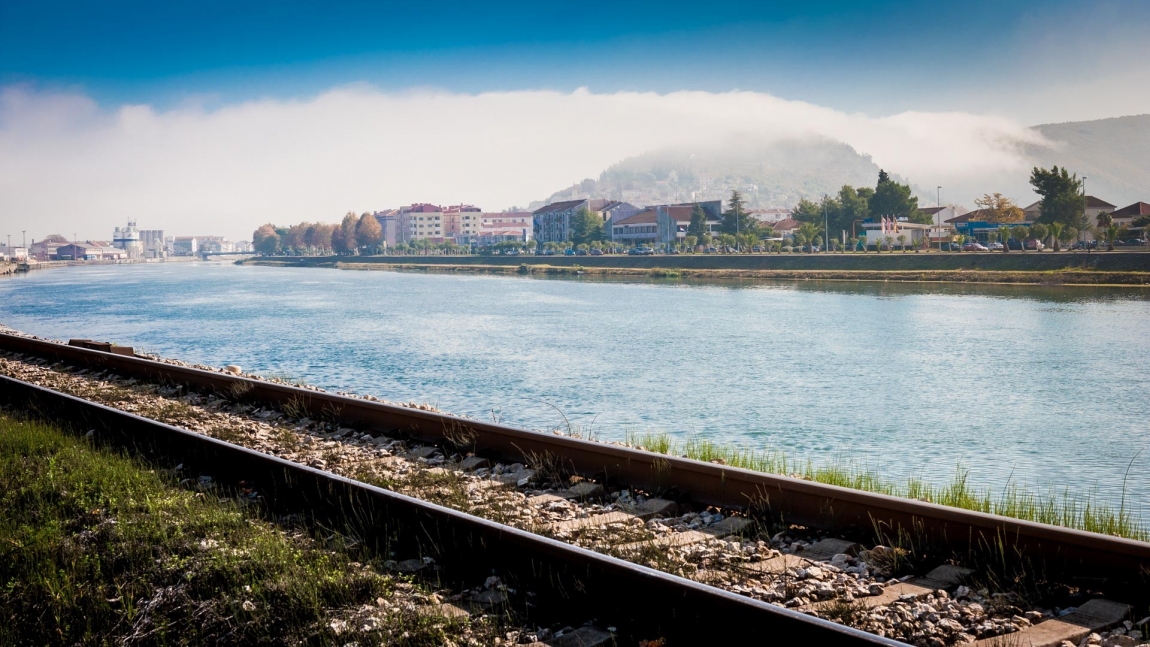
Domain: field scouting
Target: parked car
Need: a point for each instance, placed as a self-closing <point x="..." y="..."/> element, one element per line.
<point x="996" y="246"/>
<point x="1014" y="245"/>
<point x="581" y="252"/>
<point x="1137" y="242"/>
<point x="569" y="252"/>
<point x="1034" y="244"/>
<point x="756" y="249"/>
<point x="596" y="252"/>
<point x="950" y="247"/>
<point x="974" y="247"/>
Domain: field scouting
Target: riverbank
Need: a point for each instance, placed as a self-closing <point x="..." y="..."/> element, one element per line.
<point x="1033" y="268"/>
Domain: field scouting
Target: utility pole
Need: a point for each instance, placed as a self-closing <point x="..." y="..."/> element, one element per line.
<point x="1085" y="218"/>
<point x="938" y="218"/>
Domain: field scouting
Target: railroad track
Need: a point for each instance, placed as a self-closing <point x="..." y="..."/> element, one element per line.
<point x="814" y="576"/>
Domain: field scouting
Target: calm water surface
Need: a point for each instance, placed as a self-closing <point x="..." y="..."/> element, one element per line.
<point x="1049" y="385"/>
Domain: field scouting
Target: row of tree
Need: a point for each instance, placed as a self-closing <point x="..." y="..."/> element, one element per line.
<point x="362" y="234"/>
<point x="889" y="199"/>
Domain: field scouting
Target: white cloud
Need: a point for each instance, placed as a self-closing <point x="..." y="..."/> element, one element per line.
<point x="68" y="165"/>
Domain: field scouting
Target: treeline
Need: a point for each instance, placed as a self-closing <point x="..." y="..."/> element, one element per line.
<point x="355" y="234"/>
<point x="852" y="205"/>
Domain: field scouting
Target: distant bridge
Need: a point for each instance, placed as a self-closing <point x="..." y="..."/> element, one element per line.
<point x="205" y="255"/>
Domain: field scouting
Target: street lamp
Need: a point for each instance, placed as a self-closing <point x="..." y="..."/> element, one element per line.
<point x="1085" y="218"/>
<point x="938" y="218"/>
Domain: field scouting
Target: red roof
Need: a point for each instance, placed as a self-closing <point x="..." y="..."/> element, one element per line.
<point x="643" y="217"/>
<point x="1094" y="203"/>
<point x="1134" y="210"/>
<point x="786" y="224"/>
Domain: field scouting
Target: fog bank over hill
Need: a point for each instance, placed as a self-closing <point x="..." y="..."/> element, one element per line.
<point x="768" y="173"/>
<point x="1114" y="154"/>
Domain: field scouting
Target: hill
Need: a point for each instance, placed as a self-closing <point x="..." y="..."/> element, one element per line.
<point x="769" y="174"/>
<point x="1114" y="154"/>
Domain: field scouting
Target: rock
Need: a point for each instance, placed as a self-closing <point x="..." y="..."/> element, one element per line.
<point x="472" y="463"/>
<point x="234" y="369"/>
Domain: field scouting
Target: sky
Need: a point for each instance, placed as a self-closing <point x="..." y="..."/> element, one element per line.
<point x="214" y="117"/>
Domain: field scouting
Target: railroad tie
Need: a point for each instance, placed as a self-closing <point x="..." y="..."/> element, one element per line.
<point x="579" y="491"/>
<point x="944" y="577"/>
<point x="726" y="527"/>
<point x="1095" y="615"/>
<point x="643" y="511"/>
<point x="581" y="637"/>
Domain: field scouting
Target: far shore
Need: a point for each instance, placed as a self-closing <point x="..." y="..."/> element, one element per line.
<point x="1125" y="269"/>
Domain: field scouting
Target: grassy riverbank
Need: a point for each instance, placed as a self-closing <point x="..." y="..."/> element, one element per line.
<point x="1127" y="268"/>
<point x="1069" y="509"/>
<point x="96" y="548"/>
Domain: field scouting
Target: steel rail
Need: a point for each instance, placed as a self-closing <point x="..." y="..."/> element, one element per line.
<point x="570" y="582"/>
<point x="1072" y="553"/>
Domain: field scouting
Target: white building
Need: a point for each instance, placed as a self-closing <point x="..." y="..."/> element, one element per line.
<point x="128" y="239"/>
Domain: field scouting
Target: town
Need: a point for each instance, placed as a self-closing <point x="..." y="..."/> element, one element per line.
<point x="128" y="244"/>
<point x="884" y="218"/>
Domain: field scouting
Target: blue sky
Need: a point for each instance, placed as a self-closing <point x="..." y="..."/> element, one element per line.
<point x="210" y="116"/>
<point x="877" y="57"/>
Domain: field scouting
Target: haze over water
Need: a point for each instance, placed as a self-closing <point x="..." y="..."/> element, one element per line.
<point x="1047" y="386"/>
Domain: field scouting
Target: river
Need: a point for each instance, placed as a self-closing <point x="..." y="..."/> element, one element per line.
<point x="1047" y="386"/>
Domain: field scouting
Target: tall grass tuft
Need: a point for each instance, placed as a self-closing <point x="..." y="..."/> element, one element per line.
<point x="1066" y="508"/>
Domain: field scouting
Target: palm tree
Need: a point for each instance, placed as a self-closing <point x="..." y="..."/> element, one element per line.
<point x="1004" y="234"/>
<point x="1107" y="221"/>
<point x="1056" y="234"/>
<point x="902" y="242"/>
<point x="889" y="243"/>
<point x="809" y="231"/>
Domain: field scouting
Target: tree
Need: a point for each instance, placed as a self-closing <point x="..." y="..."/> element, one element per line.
<point x="1056" y="233"/>
<point x="807" y="211"/>
<point x="265" y="240"/>
<point x="1019" y="233"/>
<point x="698" y="227"/>
<point x="736" y="220"/>
<point x="586" y="226"/>
<point x="1069" y="234"/>
<point x="999" y="208"/>
<point x="893" y="200"/>
<point x="691" y="241"/>
<point x="54" y="239"/>
<point x="1039" y="231"/>
<point x="809" y="231"/>
<point x="343" y="235"/>
<point x="1004" y="234"/>
<point x="1062" y="200"/>
<point x="902" y="242"/>
<point x="1107" y="225"/>
<point x="368" y="232"/>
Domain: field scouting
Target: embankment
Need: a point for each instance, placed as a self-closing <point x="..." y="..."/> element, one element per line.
<point x="1048" y="268"/>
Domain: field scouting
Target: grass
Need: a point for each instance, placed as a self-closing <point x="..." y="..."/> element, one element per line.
<point x="1068" y="509"/>
<point x="97" y="548"/>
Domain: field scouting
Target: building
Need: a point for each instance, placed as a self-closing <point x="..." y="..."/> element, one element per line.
<point x="786" y="227"/>
<point x="388" y="220"/>
<point x="43" y="251"/>
<point x="674" y="220"/>
<point x="152" y="241"/>
<point x="90" y="251"/>
<point x="500" y="227"/>
<point x="639" y="229"/>
<point x="615" y="211"/>
<point x="877" y="232"/>
<point x="552" y="223"/>
<point x="769" y="216"/>
<point x="1094" y="208"/>
<point x="1126" y="216"/>
<point x="128" y="239"/>
<point x="421" y="221"/>
<point x="185" y="246"/>
<point x="461" y="223"/>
